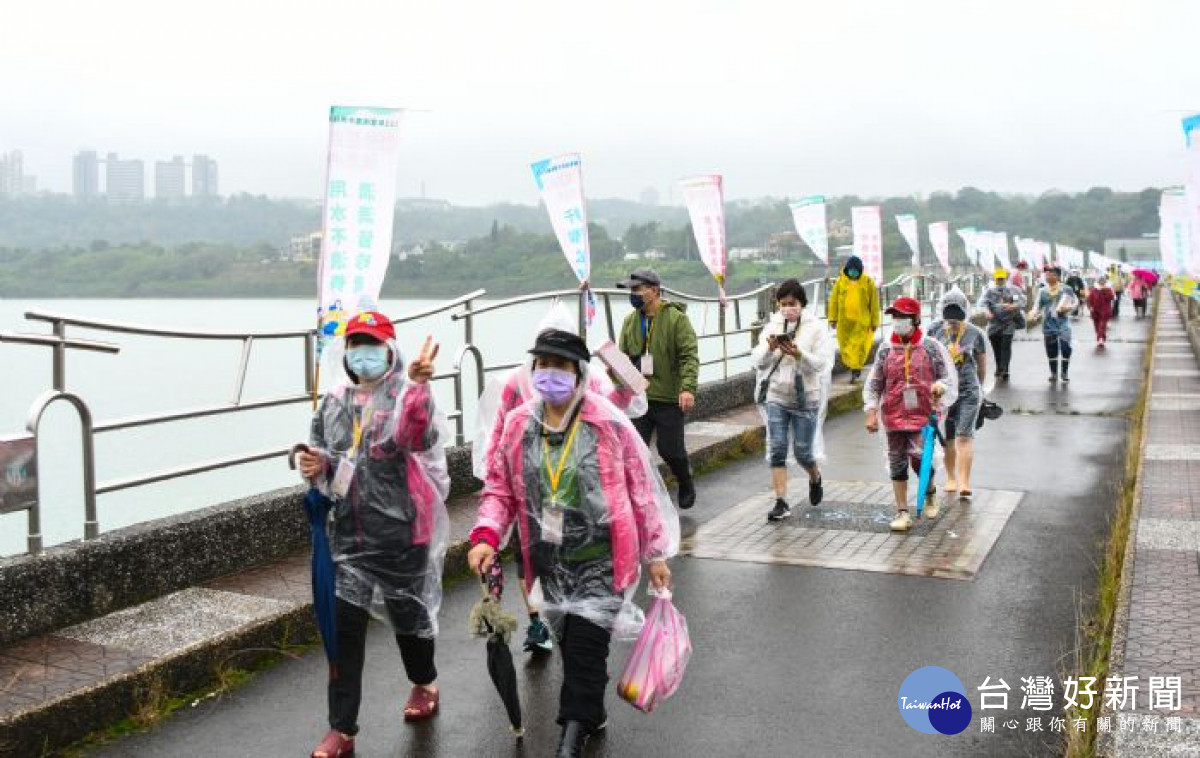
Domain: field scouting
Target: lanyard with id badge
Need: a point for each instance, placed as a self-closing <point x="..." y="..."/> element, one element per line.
<point x="647" y="359"/>
<point x="345" y="470"/>
<point x="553" y="510"/>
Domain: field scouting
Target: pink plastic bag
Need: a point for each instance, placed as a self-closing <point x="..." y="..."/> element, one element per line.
<point x="660" y="655"/>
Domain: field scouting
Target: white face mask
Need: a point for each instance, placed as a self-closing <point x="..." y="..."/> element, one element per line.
<point x="903" y="326"/>
<point x="790" y="312"/>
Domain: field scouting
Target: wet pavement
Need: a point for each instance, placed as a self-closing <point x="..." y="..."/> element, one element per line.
<point x="789" y="660"/>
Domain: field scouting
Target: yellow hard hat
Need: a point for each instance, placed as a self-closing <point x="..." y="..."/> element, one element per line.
<point x="1000" y="273"/>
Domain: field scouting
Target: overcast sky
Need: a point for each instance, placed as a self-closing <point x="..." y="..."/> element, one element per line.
<point x="783" y="98"/>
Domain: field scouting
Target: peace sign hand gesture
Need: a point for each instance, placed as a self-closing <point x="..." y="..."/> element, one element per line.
<point x="421" y="370"/>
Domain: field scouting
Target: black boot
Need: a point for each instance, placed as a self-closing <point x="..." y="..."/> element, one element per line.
<point x="687" y="494"/>
<point x="572" y="741"/>
<point x="1053" y="370"/>
<point x="1066" y="365"/>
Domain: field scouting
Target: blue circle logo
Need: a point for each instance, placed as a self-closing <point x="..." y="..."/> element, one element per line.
<point x="932" y="700"/>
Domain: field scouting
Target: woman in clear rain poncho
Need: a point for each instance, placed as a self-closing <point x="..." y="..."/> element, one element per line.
<point x="590" y="509"/>
<point x="971" y="351"/>
<point x="377" y="451"/>
<point x="794" y="360"/>
<point x="505" y="394"/>
<point x="1054" y="306"/>
<point x="913" y="377"/>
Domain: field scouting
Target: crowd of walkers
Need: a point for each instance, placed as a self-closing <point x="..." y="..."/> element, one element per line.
<point x="569" y="482"/>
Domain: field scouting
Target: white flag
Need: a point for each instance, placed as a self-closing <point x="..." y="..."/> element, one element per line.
<point x="560" y="182"/>
<point x="808" y="214"/>
<point x="967" y="235"/>
<point x="939" y="240"/>
<point x="360" y="201"/>
<point x="1175" y="231"/>
<point x="867" y="221"/>
<point x="705" y="201"/>
<point x="999" y="245"/>
<point x="912" y="235"/>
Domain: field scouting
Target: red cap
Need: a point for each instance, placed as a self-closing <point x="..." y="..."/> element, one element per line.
<point x="373" y="324"/>
<point x="904" y="306"/>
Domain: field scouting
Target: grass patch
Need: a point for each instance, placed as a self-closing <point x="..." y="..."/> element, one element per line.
<point x="1094" y="626"/>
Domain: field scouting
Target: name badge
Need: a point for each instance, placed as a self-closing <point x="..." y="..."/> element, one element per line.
<point x="342" y="478"/>
<point x="911" y="402"/>
<point x="647" y="365"/>
<point x="552" y="524"/>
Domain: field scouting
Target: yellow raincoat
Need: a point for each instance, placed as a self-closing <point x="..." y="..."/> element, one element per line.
<point x="854" y="306"/>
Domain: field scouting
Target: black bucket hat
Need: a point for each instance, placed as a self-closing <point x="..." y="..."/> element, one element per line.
<point x="561" y="344"/>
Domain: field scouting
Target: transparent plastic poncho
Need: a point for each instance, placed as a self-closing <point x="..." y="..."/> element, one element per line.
<point x="388" y="533"/>
<point x="586" y="540"/>
<point x="509" y="391"/>
<point x="815" y="368"/>
<point x="886" y="378"/>
<point x="941" y="331"/>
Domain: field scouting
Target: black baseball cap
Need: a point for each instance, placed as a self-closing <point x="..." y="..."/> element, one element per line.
<point x="561" y="344"/>
<point x="641" y="276"/>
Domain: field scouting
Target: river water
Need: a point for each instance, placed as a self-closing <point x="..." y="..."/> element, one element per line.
<point x="155" y="375"/>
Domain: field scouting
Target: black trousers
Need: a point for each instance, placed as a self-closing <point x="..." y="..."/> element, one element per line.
<point x="1002" y="347"/>
<point x="667" y="420"/>
<point x="584" y="649"/>
<point x="1117" y="304"/>
<point x="345" y="688"/>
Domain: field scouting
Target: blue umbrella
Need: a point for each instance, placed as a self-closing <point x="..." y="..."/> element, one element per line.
<point x="930" y="434"/>
<point x="324" y="588"/>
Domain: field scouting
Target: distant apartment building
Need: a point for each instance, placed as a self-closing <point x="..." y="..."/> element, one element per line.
<point x="204" y="177"/>
<point x="14" y="182"/>
<point x="170" y="179"/>
<point x="1133" y="250"/>
<point x="85" y="176"/>
<point x="124" y="180"/>
<point x="304" y="247"/>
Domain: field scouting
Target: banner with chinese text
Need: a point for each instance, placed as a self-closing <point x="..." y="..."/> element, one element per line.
<point x="360" y="200"/>
<point x="560" y="182"/>
<point x="705" y="202"/>
<point x="939" y="240"/>
<point x="867" y="222"/>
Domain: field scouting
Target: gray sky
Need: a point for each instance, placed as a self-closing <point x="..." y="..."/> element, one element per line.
<point x="783" y="98"/>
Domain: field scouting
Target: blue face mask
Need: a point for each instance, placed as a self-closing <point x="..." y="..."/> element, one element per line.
<point x="853" y="273"/>
<point x="368" y="362"/>
<point x="637" y="301"/>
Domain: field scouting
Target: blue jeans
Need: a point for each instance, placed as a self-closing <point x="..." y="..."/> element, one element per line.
<point x="800" y="425"/>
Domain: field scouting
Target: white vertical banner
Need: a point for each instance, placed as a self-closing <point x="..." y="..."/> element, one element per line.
<point x="360" y="202"/>
<point x="560" y="182"/>
<point x="705" y="200"/>
<point x="999" y="246"/>
<point x="912" y="235"/>
<point x="1175" y="231"/>
<point x="1191" y="140"/>
<point x="981" y="240"/>
<point x="939" y="240"/>
<point x="1044" y="253"/>
<point x="867" y="221"/>
<point x="808" y="214"/>
<point x="967" y="235"/>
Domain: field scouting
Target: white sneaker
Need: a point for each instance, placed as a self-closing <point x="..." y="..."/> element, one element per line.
<point x="932" y="509"/>
<point x="902" y="522"/>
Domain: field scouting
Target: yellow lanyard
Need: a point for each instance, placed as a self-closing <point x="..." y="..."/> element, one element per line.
<point x="958" y="356"/>
<point x="907" y="354"/>
<point x="647" y="335"/>
<point x="555" y="476"/>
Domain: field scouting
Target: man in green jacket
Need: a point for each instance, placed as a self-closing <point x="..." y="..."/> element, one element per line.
<point x="659" y="339"/>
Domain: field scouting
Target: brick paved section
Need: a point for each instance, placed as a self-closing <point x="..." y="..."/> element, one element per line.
<point x="849" y="530"/>
<point x="1158" y="627"/>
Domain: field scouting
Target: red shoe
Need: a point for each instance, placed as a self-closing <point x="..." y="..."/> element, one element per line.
<point x="422" y="704"/>
<point x="335" y="745"/>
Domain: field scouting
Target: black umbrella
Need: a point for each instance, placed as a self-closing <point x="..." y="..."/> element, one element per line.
<point x="487" y="618"/>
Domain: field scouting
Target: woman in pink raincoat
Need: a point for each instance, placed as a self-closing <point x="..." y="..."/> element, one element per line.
<point x="590" y="509"/>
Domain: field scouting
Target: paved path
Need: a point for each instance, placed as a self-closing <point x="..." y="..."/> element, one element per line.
<point x="790" y="659"/>
<point x="1158" y="628"/>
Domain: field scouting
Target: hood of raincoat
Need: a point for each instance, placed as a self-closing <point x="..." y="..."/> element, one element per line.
<point x="854" y="262"/>
<point x="937" y="330"/>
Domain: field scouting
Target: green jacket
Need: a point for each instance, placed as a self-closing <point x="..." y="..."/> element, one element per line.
<point x="673" y="345"/>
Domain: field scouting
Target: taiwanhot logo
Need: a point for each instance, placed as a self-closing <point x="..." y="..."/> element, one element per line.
<point x="932" y="700"/>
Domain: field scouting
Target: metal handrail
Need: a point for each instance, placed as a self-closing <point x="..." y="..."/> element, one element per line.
<point x="61" y="343"/>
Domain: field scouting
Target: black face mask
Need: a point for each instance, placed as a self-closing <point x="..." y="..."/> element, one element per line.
<point x="954" y="313"/>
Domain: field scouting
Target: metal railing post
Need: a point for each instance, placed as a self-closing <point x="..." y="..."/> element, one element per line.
<point x="724" y="343"/>
<point x="60" y="357"/>
<point x="468" y="324"/>
<point x="612" y="333"/>
<point x="583" y="298"/>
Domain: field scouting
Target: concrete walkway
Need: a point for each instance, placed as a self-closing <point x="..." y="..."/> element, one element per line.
<point x="795" y="657"/>
<point x="1157" y="635"/>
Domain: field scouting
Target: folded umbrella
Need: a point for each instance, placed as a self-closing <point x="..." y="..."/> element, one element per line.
<point x="324" y="582"/>
<point x="930" y="434"/>
<point x="488" y="618"/>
